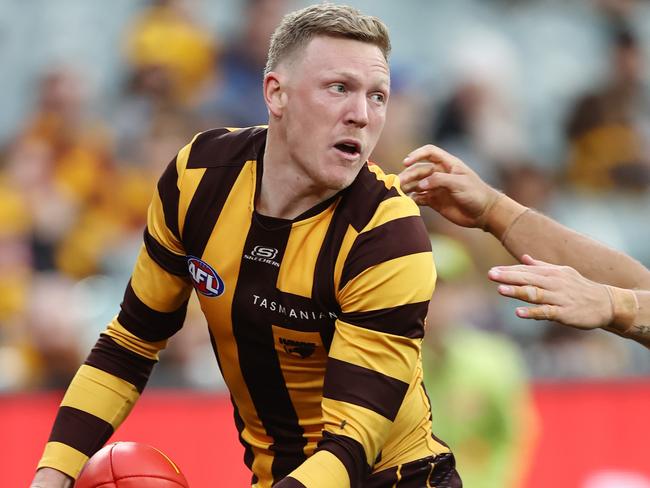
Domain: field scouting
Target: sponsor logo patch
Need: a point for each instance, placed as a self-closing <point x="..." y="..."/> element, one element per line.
<point x="206" y="280"/>
<point x="290" y="312"/>
<point x="263" y="254"/>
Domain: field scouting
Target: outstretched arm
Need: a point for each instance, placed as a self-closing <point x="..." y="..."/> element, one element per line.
<point x="110" y="381"/>
<point x="561" y="293"/>
<point x="443" y="182"/>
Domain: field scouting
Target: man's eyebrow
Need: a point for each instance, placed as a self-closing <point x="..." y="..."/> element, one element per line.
<point x="351" y="75"/>
<point x="343" y="73"/>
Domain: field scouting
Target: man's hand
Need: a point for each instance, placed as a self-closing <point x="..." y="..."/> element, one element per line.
<point x="51" y="478"/>
<point x="559" y="293"/>
<point x="437" y="179"/>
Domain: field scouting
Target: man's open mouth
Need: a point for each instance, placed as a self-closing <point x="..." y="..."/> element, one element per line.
<point x="351" y="148"/>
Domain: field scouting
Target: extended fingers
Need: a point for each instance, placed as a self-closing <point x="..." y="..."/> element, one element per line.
<point x="519" y="275"/>
<point x="529" y="269"/>
<point x="543" y="312"/>
<point x="527" y="293"/>
<point x="411" y="176"/>
<point x="426" y="183"/>
<point x="431" y="153"/>
<point x="440" y="180"/>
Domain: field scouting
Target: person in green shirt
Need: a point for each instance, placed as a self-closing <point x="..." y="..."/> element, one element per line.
<point x="477" y="381"/>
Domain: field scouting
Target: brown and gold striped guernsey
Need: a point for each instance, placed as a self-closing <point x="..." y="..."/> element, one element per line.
<point x="316" y="322"/>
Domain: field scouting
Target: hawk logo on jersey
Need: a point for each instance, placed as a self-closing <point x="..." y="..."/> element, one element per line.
<point x="298" y="348"/>
<point x="206" y="280"/>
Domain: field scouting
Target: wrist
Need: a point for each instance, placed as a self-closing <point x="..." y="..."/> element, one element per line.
<point x="501" y="215"/>
<point x="624" y="306"/>
<point x="51" y="478"/>
<point x="323" y="468"/>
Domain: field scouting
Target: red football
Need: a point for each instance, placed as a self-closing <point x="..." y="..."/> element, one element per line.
<point x="130" y="465"/>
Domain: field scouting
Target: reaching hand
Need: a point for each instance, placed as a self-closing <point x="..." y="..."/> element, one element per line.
<point x="560" y="293"/>
<point x="437" y="179"/>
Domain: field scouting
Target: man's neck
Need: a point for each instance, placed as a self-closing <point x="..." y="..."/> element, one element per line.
<point x="286" y="192"/>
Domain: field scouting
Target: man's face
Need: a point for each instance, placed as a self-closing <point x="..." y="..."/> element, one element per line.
<point x="336" y="95"/>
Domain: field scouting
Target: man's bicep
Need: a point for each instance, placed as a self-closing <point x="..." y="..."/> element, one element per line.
<point x="391" y="296"/>
<point x="163" y="289"/>
<point x="156" y="297"/>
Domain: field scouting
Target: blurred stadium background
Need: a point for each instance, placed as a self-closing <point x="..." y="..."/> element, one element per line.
<point x="548" y="100"/>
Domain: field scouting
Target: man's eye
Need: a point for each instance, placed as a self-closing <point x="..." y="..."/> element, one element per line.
<point x="338" y="87"/>
<point x="378" y="97"/>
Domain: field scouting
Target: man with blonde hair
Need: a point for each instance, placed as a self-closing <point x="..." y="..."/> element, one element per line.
<point x="288" y="238"/>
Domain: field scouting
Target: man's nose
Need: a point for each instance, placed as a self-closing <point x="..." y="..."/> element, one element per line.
<point x="357" y="110"/>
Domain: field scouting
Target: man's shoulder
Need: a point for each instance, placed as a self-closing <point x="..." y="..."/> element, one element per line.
<point x="226" y="147"/>
<point x="373" y="195"/>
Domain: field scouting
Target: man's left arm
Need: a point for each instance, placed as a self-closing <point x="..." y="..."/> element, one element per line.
<point x="375" y="349"/>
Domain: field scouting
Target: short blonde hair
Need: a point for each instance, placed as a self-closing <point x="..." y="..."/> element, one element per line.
<point x="299" y="27"/>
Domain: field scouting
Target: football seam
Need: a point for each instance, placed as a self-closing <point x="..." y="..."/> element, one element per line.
<point x="147" y="476"/>
<point x="110" y="457"/>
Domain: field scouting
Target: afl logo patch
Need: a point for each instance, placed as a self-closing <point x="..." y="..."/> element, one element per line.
<point x="206" y="280"/>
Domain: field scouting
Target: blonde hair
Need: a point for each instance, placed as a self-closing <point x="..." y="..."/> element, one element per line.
<point x="299" y="27"/>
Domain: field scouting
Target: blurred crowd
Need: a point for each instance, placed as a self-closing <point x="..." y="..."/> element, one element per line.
<point x="76" y="175"/>
<point x="548" y="101"/>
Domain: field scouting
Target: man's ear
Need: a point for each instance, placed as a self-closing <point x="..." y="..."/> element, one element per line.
<point x="274" y="93"/>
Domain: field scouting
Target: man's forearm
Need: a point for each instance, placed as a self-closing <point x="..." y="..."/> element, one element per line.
<point x="641" y="334"/>
<point x="51" y="478"/>
<point x="322" y="469"/>
<point x="639" y="326"/>
<point x="525" y="231"/>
